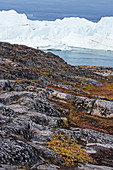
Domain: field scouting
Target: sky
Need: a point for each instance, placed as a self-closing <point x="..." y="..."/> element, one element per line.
<point x="52" y="9"/>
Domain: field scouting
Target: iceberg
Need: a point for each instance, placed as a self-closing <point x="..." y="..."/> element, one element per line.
<point x="64" y="34"/>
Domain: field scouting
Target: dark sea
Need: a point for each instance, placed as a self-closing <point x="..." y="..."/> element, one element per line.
<point x="92" y="10"/>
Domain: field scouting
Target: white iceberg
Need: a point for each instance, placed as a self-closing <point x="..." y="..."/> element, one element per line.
<point x="62" y="34"/>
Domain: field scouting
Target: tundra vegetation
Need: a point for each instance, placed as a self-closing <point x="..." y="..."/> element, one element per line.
<point x="53" y="115"/>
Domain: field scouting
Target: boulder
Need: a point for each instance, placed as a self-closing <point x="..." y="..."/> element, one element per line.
<point x="102" y="108"/>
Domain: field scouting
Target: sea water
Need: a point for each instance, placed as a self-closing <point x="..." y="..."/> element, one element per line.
<point x="80" y="56"/>
<point x="51" y="10"/>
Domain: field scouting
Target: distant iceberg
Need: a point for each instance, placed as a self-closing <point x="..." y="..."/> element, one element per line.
<point x="64" y="34"/>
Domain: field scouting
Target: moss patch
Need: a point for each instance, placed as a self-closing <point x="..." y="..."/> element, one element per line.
<point x="88" y="121"/>
<point x="105" y="91"/>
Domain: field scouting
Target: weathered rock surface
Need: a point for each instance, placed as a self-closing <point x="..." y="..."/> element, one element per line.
<point x="48" y="167"/>
<point x="102" y="108"/>
<point x="89" y="136"/>
<point x="93" y="167"/>
<point x="37" y="92"/>
<point x="18" y="153"/>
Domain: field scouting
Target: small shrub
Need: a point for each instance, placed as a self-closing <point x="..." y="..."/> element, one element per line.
<point x="68" y="149"/>
<point x="64" y="124"/>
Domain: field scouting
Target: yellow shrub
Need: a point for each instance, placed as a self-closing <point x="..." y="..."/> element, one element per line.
<point x="68" y="149"/>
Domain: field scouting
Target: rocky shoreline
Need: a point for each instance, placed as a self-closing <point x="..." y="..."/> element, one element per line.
<point x="42" y="95"/>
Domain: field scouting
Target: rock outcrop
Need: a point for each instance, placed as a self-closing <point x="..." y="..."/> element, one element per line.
<point x="102" y="108"/>
<point x="40" y="95"/>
